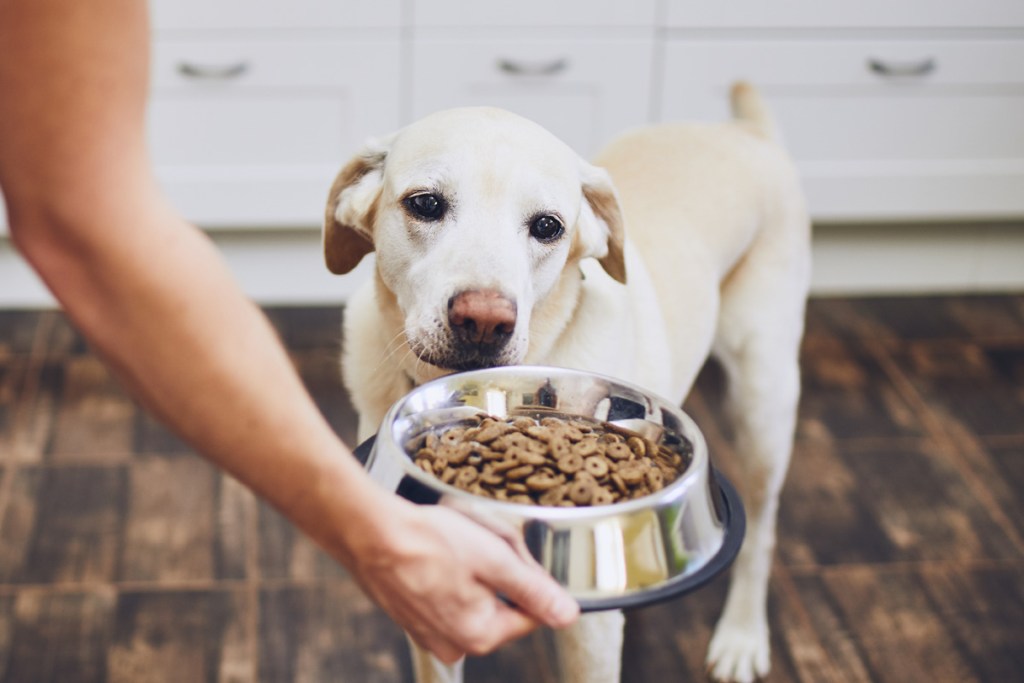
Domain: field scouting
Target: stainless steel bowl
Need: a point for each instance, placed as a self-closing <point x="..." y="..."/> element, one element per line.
<point x="608" y="557"/>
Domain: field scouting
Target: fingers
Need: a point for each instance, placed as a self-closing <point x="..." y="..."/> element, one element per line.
<point x="532" y="590"/>
<point x="504" y="626"/>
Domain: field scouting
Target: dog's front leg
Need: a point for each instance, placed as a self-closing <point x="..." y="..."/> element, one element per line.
<point x="427" y="668"/>
<point x="590" y="651"/>
<point x="762" y="399"/>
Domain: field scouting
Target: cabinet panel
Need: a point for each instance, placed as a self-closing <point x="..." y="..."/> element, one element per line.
<point x="259" y="146"/>
<point x="837" y="14"/>
<point x="273" y="14"/>
<point x="945" y="142"/>
<point x="544" y="13"/>
<point x="583" y="91"/>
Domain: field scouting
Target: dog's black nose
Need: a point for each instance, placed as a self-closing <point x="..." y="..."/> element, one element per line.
<point x="482" y="318"/>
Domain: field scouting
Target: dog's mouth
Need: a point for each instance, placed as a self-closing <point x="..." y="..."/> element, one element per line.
<point x="463" y="357"/>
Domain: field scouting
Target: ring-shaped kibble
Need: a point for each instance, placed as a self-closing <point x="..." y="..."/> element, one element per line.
<point x="580" y="492"/>
<point x="586" y="447"/>
<point x="571" y="463"/>
<point x="596" y="465"/>
<point x="521" y="472"/>
<point x="631" y="472"/>
<point x="541" y="481"/>
<point x="618" y="451"/>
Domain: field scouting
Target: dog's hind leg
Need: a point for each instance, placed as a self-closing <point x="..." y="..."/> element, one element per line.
<point x="758" y="345"/>
<point x="590" y="651"/>
<point x="428" y="669"/>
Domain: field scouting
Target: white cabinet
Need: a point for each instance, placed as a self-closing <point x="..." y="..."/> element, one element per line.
<point x="582" y="89"/>
<point x="889" y="113"/>
<point x="883" y="14"/>
<point x="255" y="103"/>
<point x="233" y="15"/>
<point x="535" y="14"/>
<point x="881" y="129"/>
<point x="249" y="133"/>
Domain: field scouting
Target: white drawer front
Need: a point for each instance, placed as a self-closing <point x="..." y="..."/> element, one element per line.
<point x="583" y="91"/>
<point x="261" y="147"/>
<point x="840" y="14"/>
<point x="273" y="14"/>
<point x="949" y="142"/>
<point x="560" y="13"/>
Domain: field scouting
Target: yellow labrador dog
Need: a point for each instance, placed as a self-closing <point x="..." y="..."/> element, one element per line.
<point x="496" y="244"/>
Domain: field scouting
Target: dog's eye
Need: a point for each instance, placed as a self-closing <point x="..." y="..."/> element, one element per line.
<point x="427" y="206"/>
<point x="546" y="228"/>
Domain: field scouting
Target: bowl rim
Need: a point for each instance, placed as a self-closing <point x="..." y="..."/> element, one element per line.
<point x="696" y="472"/>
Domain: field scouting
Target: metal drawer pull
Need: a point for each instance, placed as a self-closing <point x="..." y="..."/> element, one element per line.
<point x="518" y="68"/>
<point x="883" y="68"/>
<point x="221" y="73"/>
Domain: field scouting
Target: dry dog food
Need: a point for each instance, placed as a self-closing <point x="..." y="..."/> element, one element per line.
<point x="551" y="461"/>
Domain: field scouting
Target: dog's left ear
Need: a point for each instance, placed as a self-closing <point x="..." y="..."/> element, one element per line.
<point x="601" y="230"/>
<point x="351" y="207"/>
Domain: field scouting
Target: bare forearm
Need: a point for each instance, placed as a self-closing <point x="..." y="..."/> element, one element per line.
<point x="159" y="305"/>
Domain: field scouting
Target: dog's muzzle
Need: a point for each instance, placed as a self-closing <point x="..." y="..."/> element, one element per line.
<point x="482" y="323"/>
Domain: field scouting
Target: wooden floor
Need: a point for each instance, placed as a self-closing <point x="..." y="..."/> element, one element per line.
<point x="124" y="557"/>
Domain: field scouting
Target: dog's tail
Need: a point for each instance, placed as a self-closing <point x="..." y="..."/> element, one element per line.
<point x="749" y="108"/>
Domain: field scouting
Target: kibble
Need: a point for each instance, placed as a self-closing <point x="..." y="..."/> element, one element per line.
<point x="551" y="461"/>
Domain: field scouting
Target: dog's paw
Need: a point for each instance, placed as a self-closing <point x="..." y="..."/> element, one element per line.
<point x="739" y="654"/>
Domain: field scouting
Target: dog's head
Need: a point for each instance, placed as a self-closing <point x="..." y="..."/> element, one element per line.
<point x="475" y="215"/>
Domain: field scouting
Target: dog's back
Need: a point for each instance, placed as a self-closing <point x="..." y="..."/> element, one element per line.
<point x="697" y="198"/>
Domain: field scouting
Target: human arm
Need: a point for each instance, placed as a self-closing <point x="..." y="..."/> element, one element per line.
<point x="153" y="297"/>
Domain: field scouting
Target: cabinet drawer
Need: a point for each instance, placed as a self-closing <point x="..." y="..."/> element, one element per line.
<point x="915" y="142"/>
<point x="584" y="91"/>
<point x="561" y="13"/>
<point x="257" y="137"/>
<point x="273" y="14"/>
<point x="862" y="14"/>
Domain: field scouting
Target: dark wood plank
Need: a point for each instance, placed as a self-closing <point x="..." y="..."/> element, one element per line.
<point x="94" y="420"/>
<point x="328" y="632"/>
<point x="983" y="610"/>
<point x="307" y="327"/>
<point x="887" y="623"/>
<point x="824" y="517"/>
<point x="894" y="502"/>
<point x="285" y="553"/>
<point x="170" y="522"/>
<point x="237" y="537"/>
<point x="172" y="636"/>
<point x="1007" y="480"/>
<point x="13" y="373"/>
<point x="17" y="332"/>
<point x="17" y="530"/>
<point x="847" y="394"/>
<point x="975" y="384"/>
<point x="321" y="375"/>
<point x="76" y="526"/>
<point x="60" y="637"/>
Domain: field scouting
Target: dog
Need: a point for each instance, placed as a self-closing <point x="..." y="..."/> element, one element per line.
<point x="496" y="244"/>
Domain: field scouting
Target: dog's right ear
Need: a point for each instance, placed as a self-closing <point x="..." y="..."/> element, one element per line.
<point x="352" y="206"/>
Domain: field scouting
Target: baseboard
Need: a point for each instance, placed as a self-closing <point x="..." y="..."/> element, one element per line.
<point x="285" y="267"/>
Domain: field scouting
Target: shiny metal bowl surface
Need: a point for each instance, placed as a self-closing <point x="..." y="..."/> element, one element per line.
<point x="614" y="556"/>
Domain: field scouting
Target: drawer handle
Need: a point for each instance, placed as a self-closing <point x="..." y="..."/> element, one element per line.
<point x="518" y="68"/>
<point x="210" y="72"/>
<point x="904" y="69"/>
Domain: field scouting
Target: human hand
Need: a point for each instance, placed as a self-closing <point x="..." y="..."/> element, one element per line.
<point x="438" y="574"/>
